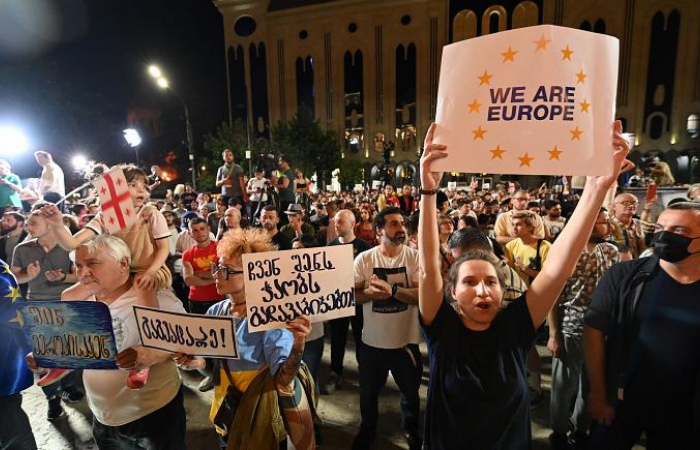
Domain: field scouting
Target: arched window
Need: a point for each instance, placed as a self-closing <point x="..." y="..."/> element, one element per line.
<point x="495" y="19"/>
<point x="586" y="26"/>
<point x="236" y="73"/>
<point x="406" y="65"/>
<point x="305" y="84"/>
<point x="599" y="26"/>
<point x="464" y="25"/>
<point x="354" y="100"/>
<point x="526" y="14"/>
<point x="258" y="88"/>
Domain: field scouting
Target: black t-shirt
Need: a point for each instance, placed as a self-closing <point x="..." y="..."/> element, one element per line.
<point x="358" y="246"/>
<point x="282" y="241"/>
<point x="664" y="373"/>
<point x="187" y="199"/>
<point x="478" y="396"/>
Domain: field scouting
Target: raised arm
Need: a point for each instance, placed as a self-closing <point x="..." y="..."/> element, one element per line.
<point x="564" y="254"/>
<point x="430" y="281"/>
<point x="67" y="241"/>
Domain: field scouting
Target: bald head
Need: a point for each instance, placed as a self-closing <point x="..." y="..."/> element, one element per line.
<point x="344" y="222"/>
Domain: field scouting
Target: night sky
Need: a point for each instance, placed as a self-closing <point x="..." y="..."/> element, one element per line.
<point x="69" y="69"/>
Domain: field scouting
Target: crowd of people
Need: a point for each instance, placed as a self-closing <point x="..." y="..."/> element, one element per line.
<point x="480" y="275"/>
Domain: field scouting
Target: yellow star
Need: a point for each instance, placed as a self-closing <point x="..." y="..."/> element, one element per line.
<point x="554" y="154"/>
<point x="576" y="134"/>
<point x="19" y="318"/>
<point x="474" y="106"/>
<point x="13" y="293"/>
<point x="479" y="133"/>
<point x="509" y="54"/>
<point x="581" y="77"/>
<point x="566" y="53"/>
<point x="497" y="152"/>
<point x="584" y="106"/>
<point x="485" y="78"/>
<point x="525" y="160"/>
<point x="5" y="268"/>
<point x="542" y="43"/>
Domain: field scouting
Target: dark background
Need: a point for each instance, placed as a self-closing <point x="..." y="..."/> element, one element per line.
<point x="70" y="69"/>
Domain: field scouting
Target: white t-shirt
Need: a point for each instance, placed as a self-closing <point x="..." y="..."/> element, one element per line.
<point x="389" y="324"/>
<point x="52" y="179"/>
<point x="255" y="184"/>
<point x="111" y="402"/>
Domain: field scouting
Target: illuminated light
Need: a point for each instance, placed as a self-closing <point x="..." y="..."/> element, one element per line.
<point x="204" y="168"/>
<point x="162" y="82"/>
<point x="154" y="71"/>
<point x="673" y="139"/>
<point x="12" y="141"/>
<point x="79" y="162"/>
<point x="132" y="136"/>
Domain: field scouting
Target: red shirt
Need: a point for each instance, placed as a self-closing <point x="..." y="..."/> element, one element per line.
<point x="200" y="260"/>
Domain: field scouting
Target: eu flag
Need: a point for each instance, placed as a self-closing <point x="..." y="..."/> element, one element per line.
<point x="14" y="374"/>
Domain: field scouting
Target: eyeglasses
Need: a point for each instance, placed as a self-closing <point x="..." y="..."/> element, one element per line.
<point x="627" y="204"/>
<point x="216" y="269"/>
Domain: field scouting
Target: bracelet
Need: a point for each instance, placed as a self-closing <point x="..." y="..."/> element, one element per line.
<point x="65" y="275"/>
<point x="394" y="289"/>
<point x="428" y="191"/>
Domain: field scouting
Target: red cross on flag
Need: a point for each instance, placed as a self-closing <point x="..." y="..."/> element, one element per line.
<point x="118" y="210"/>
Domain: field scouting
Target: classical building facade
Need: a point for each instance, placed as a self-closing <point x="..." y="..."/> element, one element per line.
<point x="369" y="69"/>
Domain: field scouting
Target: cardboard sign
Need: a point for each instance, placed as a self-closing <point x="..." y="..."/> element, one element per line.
<point x="191" y="334"/>
<point x="537" y="100"/>
<point x="70" y="335"/>
<point x="451" y="185"/>
<point x="281" y="286"/>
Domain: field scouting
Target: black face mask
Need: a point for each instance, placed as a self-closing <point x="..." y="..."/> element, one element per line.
<point x="672" y="247"/>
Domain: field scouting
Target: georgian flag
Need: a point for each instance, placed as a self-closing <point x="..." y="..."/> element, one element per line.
<point x="117" y="206"/>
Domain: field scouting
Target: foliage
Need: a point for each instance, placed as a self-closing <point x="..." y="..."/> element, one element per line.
<point x="310" y="147"/>
<point x="350" y="173"/>
<point x="227" y="136"/>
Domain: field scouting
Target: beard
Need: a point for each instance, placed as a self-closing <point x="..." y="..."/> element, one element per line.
<point x="8" y="230"/>
<point x="398" y="238"/>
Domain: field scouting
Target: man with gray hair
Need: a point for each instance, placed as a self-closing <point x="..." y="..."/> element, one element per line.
<point x="154" y="416"/>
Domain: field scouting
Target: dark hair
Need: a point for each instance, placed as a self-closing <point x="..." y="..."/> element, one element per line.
<point x="380" y="218"/>
<point x="473" y="255"/>
<point x="469" y="221"/>
<point x="680" y="200"/>
<point x="258" y="169"/>
<point x="196" y="221"/>
<point x="269" y="208"/>
<point x="549" y="204"/>
<point x="235" y="201"/>
<point x="469" y="239"/>
<point x="286" y="159"/>
<point x="533" y="205"/>
<point x="17" y="216"/>
<point x="132" y="173"/>
<point x="412" y="223"/>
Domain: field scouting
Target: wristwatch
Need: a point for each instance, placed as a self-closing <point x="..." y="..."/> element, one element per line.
<point x="394" y="289"/>
<point x="428" y="191"/>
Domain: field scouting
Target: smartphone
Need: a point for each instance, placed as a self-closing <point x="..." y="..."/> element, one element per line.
<point x="651" y="192"/>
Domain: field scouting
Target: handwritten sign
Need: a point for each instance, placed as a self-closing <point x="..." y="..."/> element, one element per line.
<point x="281" y="286"/>
<point x="70" y="335"/>
<point x="192" y="334"/>
<point x="537" y="100"/>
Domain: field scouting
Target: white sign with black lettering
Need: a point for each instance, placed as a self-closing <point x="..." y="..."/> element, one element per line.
<point x="191" y="334"/>
<point x="281" y="286"/>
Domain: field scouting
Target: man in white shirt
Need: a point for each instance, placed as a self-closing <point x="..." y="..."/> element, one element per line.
<point x="386" y="284"/>
<point x="503" y="229"/>
<point x="52" y="179"/>
<point x="154" y="416"/>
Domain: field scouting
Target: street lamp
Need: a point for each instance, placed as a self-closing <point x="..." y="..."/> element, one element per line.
<point x="133" y="138"/>
<point x="162" y="82"/>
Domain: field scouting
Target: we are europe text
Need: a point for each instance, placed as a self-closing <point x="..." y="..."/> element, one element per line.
<point x="547" y="103"/>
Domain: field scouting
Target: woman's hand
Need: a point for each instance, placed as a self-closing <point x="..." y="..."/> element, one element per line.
<point x="300" y="328"/>
<point x="621" y="148"/>
<point x="431" y="180"/>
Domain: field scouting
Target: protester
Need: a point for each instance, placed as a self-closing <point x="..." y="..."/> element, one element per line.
<point x="12" y="232"/>
<point x="214" y="217"/>
<point x="285" y="184"/>
<point x="296" y="226"/>
<point x="570" y="386"/>
<point x="640" y="340"/>
<point x="302" y="190"/>
<point x="230" y="221"/>
<point x="52" y="178"/>
<point x="267" y="373"/>
<point x="386" y="279"/>
<point x="365" y="229"/>
<point x="478" y="393"/>
<point x="269" y="219"/>
<point x="503" y="228"/>
<point x="256" y="192"/>
<point x="10" y="186"/>
<point x="46" y="268"/>
<point x="627" y="229"/>
<point x="229" y="178"/>
<point x="344" y="224"/>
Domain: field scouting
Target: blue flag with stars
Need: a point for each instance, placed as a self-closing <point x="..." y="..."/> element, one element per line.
<point x="14" y="374"/>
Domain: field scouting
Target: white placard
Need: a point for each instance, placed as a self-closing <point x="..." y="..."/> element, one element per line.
<point x="376" y="184"/>
<point x="537" y="100"/>
<point x="192" y="334"/>
<point x="316" y="282"/>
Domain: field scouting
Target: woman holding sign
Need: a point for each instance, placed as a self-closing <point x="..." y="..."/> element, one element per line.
<point x="478" y="394"/>
<point x="269" y="371"/>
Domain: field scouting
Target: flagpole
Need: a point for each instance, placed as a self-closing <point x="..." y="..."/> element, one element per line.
<point x="79" y="188"/>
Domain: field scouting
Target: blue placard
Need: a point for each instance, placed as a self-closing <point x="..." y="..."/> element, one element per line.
<point x="70" y="335"/>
